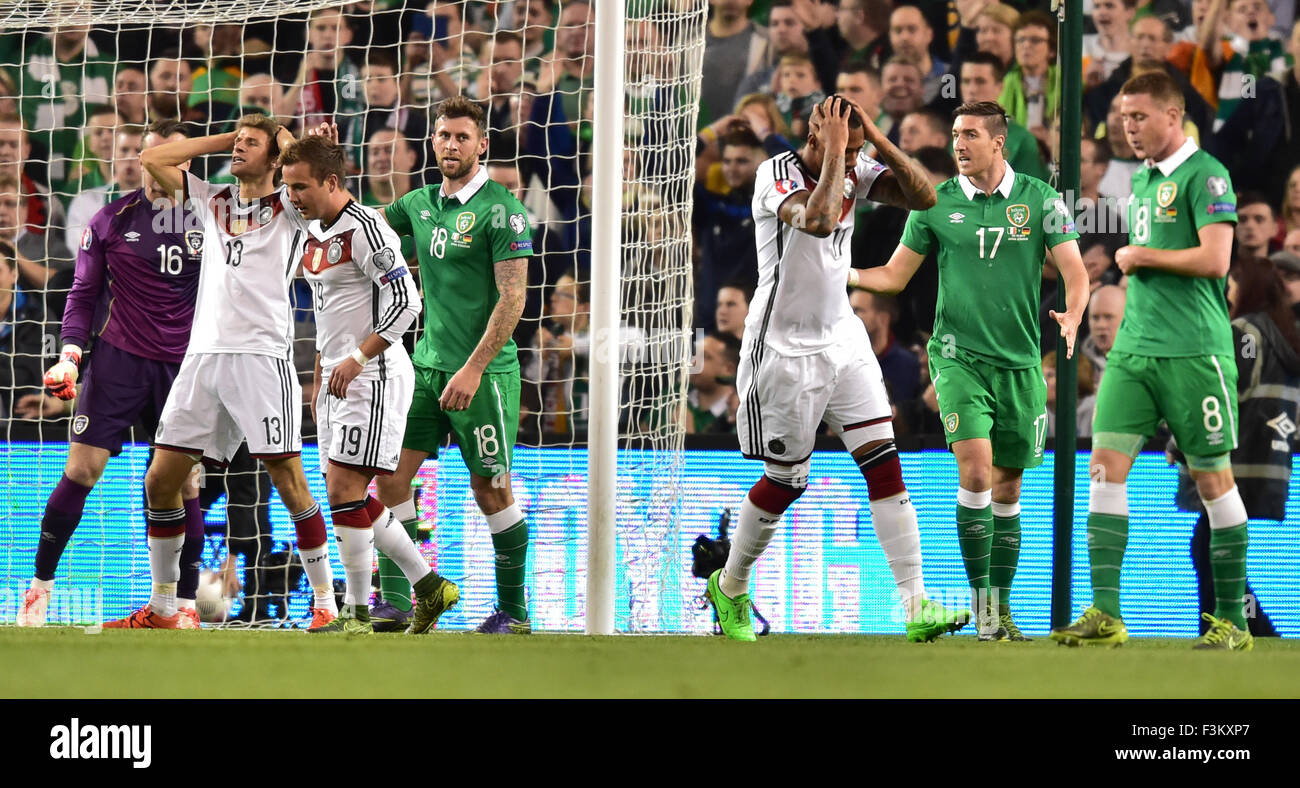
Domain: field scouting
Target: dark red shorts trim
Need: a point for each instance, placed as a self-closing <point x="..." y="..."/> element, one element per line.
<point x="859" y="425"/>
<point x="280" y="456"/>
<point x="771" y="459"/>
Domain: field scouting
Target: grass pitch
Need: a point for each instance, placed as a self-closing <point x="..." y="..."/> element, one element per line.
<point x="67" y="663"/>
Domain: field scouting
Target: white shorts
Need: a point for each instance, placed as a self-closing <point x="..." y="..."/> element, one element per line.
<point x="364" y="432"/>
<point x="784" y="398"/>
<point x="218" y="400"/>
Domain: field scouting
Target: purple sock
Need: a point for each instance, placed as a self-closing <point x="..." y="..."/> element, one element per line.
<point x="191" y="551"/>
<point x="62" y="514"/>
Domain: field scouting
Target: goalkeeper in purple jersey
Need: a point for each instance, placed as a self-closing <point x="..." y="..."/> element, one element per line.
<point x="136" y="278"/>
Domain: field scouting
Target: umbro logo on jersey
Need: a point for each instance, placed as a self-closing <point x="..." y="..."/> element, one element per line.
<point x="956" y="217"/>
<point x="1283" y="425"/>
<point x="425" y="215"/>
<point x="132" y="237"/>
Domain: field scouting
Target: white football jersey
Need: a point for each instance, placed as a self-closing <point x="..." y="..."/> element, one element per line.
<point x="360" y="286"/>
<point x="248" y="267"/>
<point x="800" y="306"/>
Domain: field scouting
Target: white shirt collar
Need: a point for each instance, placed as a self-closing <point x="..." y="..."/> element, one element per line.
<point x="467" y="191"/>
<point x="1004" y="186"/>
<point x="1176" y="158"/>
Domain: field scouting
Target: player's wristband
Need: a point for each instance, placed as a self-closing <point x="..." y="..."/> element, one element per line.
<point x="853" y="277"/>
<point x="71" y="354"/>
<point x="359" y="357"/>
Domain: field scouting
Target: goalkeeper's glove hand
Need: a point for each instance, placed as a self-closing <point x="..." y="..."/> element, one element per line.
<point x="61" y="379"/>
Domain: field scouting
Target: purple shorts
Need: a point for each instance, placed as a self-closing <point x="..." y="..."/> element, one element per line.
<point x="121" y="389"/>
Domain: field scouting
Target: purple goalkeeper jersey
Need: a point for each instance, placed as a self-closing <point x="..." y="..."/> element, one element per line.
<point x="148" y="278"/>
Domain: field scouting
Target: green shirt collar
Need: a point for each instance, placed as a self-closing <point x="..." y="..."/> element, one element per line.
<point x="1175" y="159"/>
<point x="1004" y="186"/>
<point x="470" y="189"/>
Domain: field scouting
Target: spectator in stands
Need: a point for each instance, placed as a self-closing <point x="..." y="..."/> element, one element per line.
<point x="503" y="79"/>
<point x="981" y="80"/>
<point x="383" y="110"/>
<point x="711" y="399"/>
<point x="22" y="342"/>
<point x="328" y="85"/>
<point x="131" y="95"/>
<point x="786" y="35"/>
<point x="924" y="128"/>
<point x="1087" y="397"/>
<point x="910" y="36"/>
<point x="880" y="313"/>
<point x="1118" y="180"/>
<point x="218" y="75"/>
<point x="94" y="157"/>
<point x="558" y="136"/>
<point x="127" y="177"/>
<point x="539" y="28"/>
<point x="860" y="83"/>
<point x="1291" y="202"/>
<point x="171" y="81"/>
<point x="1256" y="225"/>
<point x="1149" y="43"/>
<point x="1291" y="244"/>
<point x="862" y="31"/>
<point x="259" y="92"/>
<point x="1105" y="312"/>
<point x="1287" y="263"/>
<point x="1291" y="97"/>
<point x="797" y="92"/>
<point x="1096" y="213"/>
<point x="733" y="308"/>
<point x="734" y="48"/>
<point x="724" y="225"/>
<point x="1249" y="50"/>
<point x="8" y="94"/>
<point x="1104" y="50"/>
<point x="1099" y="262"/>
<point x="985" y="26"/>
<point x="35" y="220"/>
<point x="63" y="73"/>
<point x="557" y="357"/>
<point x="903" y="87"/>
<point x="1031" y="91"/>
<point x="448" y="64"/>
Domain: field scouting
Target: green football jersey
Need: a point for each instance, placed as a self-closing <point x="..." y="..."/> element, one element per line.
<point x="991" y="253"/>
<point x="54" y="96"/>
<point x="1170" y="315"/>
<point x="458" y="240"/>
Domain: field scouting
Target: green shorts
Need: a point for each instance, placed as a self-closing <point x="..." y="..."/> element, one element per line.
<point x="485" y="431"/>
<point x="1006" y="406"/>
<point x="1195" y="395"/>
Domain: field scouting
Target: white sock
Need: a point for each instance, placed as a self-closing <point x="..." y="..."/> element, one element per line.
<point x="405" y="511"/>
<point x="320" y="576"/>
<point x="165" y="569"/>
<point x="1108" y="498"/>
<point x="505" y="518"/>
<point x="357" y="551"/>
<point x="391" y="538"/>
<point x="756" y="529"/>
<point x="185" y="604"/>
<point x="894" y="519"/>
<point x="1226" y="511"/>
<point x="43" y="584"/>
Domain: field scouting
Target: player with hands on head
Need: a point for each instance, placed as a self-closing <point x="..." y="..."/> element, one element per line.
<point x="806" y="358"/>
<point x="137" y="250"/>
<point x="237" y="381"/>
<point x="1172" y="361"/>
<point x="994" y="229"/>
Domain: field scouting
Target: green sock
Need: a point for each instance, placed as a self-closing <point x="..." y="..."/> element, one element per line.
<point x="1003" y="558"/>
<point x="1228" y="566"/>
<point x="393" y="585"/>
<point x="975" y="536"/>
<point x="1107" y="538"/>
<point x="511" y="547"/>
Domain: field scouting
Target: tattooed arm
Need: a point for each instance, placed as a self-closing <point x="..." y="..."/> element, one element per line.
<point x="905" y="184"/>
<point x="512" y="281"/>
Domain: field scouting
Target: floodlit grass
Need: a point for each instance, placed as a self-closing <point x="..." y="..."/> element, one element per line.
<point x="67" y="663"/>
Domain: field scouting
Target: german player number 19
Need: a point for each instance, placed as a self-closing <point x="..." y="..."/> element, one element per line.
<point x="170" y="259"/>
<point x="350" y="441"/>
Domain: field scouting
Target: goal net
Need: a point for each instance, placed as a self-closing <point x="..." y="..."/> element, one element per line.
<point x="75" y="74"/>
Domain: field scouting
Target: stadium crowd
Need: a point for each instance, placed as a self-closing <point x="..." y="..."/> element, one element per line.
<point x="74" y="103"/>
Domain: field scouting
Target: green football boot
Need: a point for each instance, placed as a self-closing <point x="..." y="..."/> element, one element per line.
<point x="1013" y="632"/>
<point x="1094" y="628"/>
<point x="434" y="595"/>
<point x="1223" y="635"/>
<point x="733" y="614"/>
<point x="933" y="620"/>
<point x="349" y="622"/>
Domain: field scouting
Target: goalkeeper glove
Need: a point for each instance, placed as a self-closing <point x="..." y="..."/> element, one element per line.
<point x="61" y="379"/>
